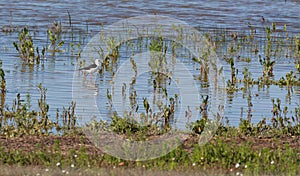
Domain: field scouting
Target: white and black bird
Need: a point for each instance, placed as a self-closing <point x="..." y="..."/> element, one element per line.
<point x="91" y="68"/>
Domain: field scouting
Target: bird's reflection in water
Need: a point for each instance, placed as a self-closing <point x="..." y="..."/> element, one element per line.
<point x="90" y="86"/>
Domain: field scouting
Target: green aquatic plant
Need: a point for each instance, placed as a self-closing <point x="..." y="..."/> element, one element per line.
<point x="232" y="49"/>
<point x="78" y="47"/>
<point x="147" y="107"/>
<point x="296" y="118"/>
<point x="234" y="71"/>
<point x="56" y="28"/>
<point x="297" y="66"/>
<point x="44" y="107"/>
<point x="246" y="59"/>
<point x="134" y="66"/>
<point x="54" y="34"/>
<point x="279" y="119"/>
<point x="109" y="97"/>
<point x="204" y="105"/>
<point x="250" y="105"/>
<point x="156" y="44"/>
<point x="132" y="98"/>
<point x="199" y="125"/>
<point x="297" y="45"/>
<point x="27" y="122"/>
<point x="68" y="118"/>
<point x="3" y="92"/>
<point x="21" y="119"/>
<point x="268" y="66"/>
<point x="159" y="65"/>
<point x="289" y="80"/>
<point x="245" y="127"/>
<point x="2" y="83"/>
<point x="276" y="107"/>
<point x="268" y="47"/>
<point x="231" y="83"/>
<point x="203" y="70"/>
<point x="26" y="49"/>
<point x="247" y="76"/>
<point x="113" y="49"/>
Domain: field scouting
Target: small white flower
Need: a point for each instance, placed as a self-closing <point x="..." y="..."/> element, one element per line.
<point x="194" y="164"/>
<point x="63" y="171"/>
<point x="246" y="166"/>
<point x="67" y="173"/>
<point x="58" y="164"/>
<point x="75" y="156"/>
<point x="46" y="170"/>
<point x="202" y="158"/>
<point x="272" y="162"/>
<point x="237" y="165"/>
<point x="143" y="166"/>
<point x="38" y="174"/>
<point x="237" y="173"/>
<point x="114" y="167"/>
<point x="173" y="159"/>
<point x="72" y="165"/>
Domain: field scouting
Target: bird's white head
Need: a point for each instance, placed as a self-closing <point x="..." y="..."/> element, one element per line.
<point x="98" y="62"/>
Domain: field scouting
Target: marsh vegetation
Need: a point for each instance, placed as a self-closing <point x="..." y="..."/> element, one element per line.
<point x="258" y="133"/>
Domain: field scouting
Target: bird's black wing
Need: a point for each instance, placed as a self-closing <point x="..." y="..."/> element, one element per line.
<point x="88" y="67"/>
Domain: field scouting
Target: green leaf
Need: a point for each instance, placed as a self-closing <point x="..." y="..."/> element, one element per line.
<point x="60" y="43"/>
<point x="16" y="46"/>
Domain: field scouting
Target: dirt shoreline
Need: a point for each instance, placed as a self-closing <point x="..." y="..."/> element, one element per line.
<point x="66" y="143"/>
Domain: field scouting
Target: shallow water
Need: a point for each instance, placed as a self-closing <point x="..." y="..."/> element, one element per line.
<point x="87" y="19"/>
